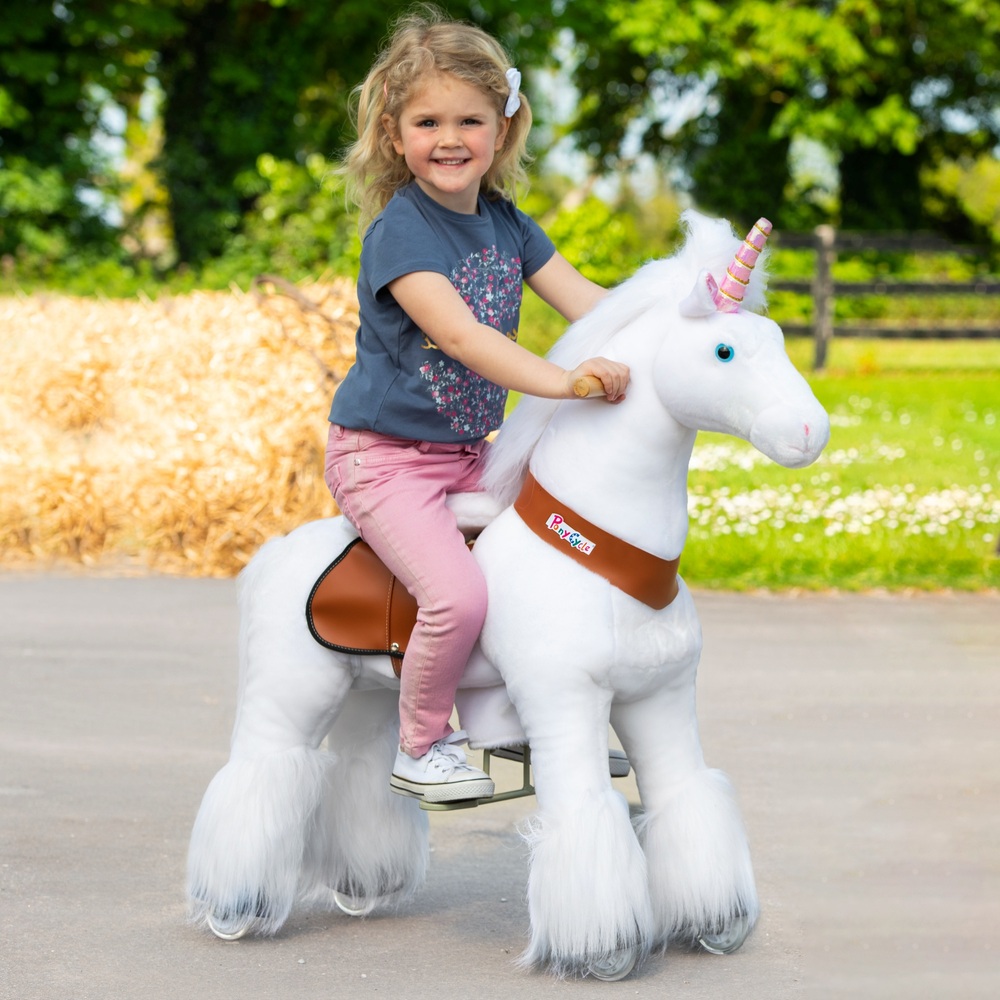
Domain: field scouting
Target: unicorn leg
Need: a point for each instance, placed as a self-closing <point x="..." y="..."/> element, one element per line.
<point x="587" y="889"/>
<point x="249" y="840"/>
<point x="256" y="823"/>
<point x="700" y="875"/>
<point x="373" y="844"/>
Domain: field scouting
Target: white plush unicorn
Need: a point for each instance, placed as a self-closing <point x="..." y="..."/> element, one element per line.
<point x="569" y="646"/>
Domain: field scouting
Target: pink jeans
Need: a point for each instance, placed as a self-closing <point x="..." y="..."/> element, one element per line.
<point x="393" y="490"/>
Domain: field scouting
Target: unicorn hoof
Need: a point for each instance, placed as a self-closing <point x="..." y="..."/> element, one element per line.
<point x="355" y="902"/>
<point x="230" y="927"/>
<point x="729" y="939"/>
<point x="614" y="965"/>
<point x="354" y="906"/>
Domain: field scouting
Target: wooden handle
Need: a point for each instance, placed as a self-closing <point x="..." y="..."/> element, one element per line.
<point x="588" y="385"/>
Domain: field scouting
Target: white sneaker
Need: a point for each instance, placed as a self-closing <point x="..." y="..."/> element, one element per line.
<point x="441" y="775"/>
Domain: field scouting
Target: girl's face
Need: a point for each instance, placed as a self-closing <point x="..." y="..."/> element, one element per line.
<point x="448" y="133"/>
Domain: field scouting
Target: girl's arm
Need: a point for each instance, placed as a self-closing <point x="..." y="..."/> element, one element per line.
<point x="430" y="300"/>
<point x="562" y="286"/>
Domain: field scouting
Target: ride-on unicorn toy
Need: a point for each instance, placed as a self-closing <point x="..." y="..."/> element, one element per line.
<point x="588" y="625"/>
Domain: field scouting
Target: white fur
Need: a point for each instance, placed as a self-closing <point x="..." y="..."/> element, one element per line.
<point x="699" y="859"/>
<point x="585" y="858"/>
<point x="252" y="866"/>
<point x="369" y="842"/>
<point x="562" y="654"/>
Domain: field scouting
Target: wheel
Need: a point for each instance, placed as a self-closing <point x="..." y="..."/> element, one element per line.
<point x="353" y="906"/>
<point x="230" y="928"/>
<point x="729" y="939"/>
<point x="615" y="965"/>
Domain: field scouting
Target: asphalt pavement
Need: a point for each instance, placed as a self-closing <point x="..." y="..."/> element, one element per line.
<point x="861" y="732"/>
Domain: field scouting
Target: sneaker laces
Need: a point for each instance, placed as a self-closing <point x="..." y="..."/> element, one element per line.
<point x="446" y="756"/>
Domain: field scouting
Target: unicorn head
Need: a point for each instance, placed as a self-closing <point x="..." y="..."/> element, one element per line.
<point x="702" y="358"/>
<point x="709" y="296"/>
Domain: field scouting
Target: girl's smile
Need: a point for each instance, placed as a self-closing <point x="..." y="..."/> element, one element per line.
<point x="448" y="133"/>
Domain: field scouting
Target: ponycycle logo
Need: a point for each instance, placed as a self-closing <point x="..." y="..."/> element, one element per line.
<point x="570" y="535"/>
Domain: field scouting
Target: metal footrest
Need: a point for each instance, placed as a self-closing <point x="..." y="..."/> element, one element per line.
<point x="527" y="788"/>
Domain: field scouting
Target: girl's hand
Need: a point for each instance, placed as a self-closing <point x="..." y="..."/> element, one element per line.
<point x="613" y="376"/>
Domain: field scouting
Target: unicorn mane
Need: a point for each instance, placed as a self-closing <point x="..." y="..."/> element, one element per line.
<point x="709" y="246"/>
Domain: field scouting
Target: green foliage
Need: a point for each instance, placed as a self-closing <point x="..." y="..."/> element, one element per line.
<point x="607" y="238"/>
<point x="300" y="228"/>
<point x="240" y="79"/>
<point x="248" y="78"/>
<point x="901" y="95"/>
<point x="231" y="80"/>
<point x="31" y="197"/>
<point x="300" y="225"/>
<point x="59" y="63"/>
<point x="595" y="238"/>
<point x="892" y="86"/>
<point x="972" y="187"/>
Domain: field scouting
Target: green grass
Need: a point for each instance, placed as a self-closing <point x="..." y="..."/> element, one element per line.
<point x="906" y="495"/>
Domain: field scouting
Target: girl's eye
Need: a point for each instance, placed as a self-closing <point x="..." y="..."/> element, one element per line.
<point x="724" y="352"/>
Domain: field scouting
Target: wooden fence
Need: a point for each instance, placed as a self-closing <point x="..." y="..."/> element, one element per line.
<point x="824" y="290"/>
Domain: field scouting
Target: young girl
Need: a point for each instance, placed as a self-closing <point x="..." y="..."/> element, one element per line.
<point x="442" y="132"/>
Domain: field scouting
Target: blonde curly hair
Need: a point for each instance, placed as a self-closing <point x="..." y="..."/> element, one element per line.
<point x="423" y="42"/>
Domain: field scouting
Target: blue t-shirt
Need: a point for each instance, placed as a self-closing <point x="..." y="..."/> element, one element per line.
<point x="402" y="384"/>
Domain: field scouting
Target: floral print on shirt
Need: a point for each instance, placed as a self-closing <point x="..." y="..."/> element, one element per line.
<point x="490" y="285"/>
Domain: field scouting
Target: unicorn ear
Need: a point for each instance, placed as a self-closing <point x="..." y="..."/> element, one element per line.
<point x="701" y="301"/>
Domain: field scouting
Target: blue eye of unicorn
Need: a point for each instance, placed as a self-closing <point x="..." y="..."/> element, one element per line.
<point x="724" y="352"/>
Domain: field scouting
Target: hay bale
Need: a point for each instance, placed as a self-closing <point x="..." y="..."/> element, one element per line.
<point x="178" y="434"/>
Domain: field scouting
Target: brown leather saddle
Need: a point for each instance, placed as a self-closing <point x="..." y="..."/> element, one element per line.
<point x="358" y="606"/>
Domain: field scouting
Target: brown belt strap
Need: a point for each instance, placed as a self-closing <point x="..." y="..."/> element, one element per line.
<point x="639" y="573"/>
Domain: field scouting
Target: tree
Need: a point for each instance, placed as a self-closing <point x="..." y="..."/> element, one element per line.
<point x="889" y="86"/>
<point x="237" y="79"/>
<point x="61" y="65"/>
<point x="240" y="79"/>
<point x="47" y="113"/>
<point x="244" y="78"/>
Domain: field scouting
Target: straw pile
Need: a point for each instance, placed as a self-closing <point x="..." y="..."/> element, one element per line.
<point x="175" y="435"/>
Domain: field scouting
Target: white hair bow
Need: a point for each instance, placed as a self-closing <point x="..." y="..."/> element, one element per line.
<point x="513" y="99"/>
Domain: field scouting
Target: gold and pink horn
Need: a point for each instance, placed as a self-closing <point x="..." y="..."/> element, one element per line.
<point x="730" y="292"/>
